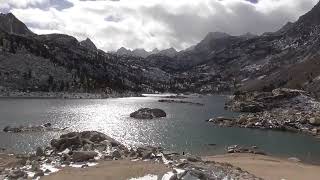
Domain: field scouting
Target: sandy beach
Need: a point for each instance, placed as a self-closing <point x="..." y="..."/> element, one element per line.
<point x="270" y="168"/>
<point x="266" y="167"/>
<point x="111" y="170"/>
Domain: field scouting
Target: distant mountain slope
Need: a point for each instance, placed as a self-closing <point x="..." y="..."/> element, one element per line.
<point x="88" y="44"/>
<point x="286" y="58"/>
<point x="171" y="52"/>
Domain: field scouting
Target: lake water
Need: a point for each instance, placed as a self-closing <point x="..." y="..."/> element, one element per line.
<point x="184" y="129"/>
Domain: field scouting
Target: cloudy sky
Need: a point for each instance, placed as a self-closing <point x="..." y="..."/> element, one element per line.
<point x="150" y="24"/>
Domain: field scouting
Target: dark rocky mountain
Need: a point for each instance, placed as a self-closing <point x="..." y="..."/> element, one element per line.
<point x="9" y="23"/>
<point x="57" y="62"/>
<point x="136" y="52"/>
<point x="213" y="42"/>
<point x="286" y="58"/>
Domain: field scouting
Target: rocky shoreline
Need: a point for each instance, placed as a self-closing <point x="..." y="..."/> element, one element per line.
<point x="282" y="109"/>
<point x="66" y="95"/>
<point x="40" y="128"/>
<point x="180" y="102"/>
<point x="88" y="148"/>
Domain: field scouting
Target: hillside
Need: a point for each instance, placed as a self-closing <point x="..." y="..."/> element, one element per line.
<point x="58" y="62"/>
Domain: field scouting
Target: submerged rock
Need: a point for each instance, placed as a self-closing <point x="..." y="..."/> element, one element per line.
<point x="240" y="149"/>
<point x="147" y="113"/>
<point x="11" y="129"/>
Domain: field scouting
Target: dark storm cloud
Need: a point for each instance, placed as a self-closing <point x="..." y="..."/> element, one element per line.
<point x="243" y="18"/>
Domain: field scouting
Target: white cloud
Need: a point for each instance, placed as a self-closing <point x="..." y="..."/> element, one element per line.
<point x="22" y="3"/>
<point x="154" y="23"/>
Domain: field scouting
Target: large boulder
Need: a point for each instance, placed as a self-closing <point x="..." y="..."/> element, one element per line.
<point x="69" y="140"/>
<point x="287" y="93"/>
<point x="81" y="156"/>
<point x="148" y="113"/>
<point x="251" y="107"/>
<point x="75" y="140"/>
<point x="315" y="121"/>
<point x="39" y="152"/>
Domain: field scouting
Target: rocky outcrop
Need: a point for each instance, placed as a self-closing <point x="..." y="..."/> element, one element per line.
<point x="75" y="140"/>
<point x="82" y="156"/>
<point x="21" y="129"/>
<point x="176" y="97"/>
<point x="253" y="102"/>
<point x="9" y="23"/>
<point x="315" y="120"/>
<point x="147" y="113"/>
<point x="179" y="102"/>
<point x="282" y="109"/>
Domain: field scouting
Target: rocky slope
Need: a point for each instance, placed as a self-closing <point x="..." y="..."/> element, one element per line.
<point x="57" y="62"/>
<point x="221" y="62"/>
<point x="286" y="58"/>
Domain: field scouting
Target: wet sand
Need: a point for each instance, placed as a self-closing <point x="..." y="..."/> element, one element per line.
<point x="270" y="168"/>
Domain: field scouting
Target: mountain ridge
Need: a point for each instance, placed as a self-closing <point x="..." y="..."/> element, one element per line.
<point x="218" y="63"/>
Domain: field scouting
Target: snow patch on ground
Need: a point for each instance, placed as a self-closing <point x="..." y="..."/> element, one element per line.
<point x="146" y="177"/>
